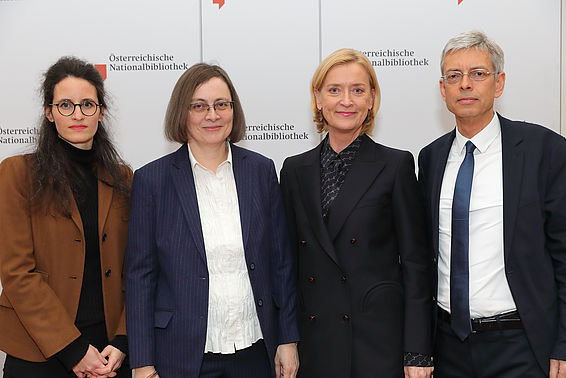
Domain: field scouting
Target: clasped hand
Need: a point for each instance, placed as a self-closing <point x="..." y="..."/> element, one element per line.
<point x="97" y="364"/>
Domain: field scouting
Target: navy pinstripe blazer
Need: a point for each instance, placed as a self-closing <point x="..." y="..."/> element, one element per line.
<point x="166" y="270"/>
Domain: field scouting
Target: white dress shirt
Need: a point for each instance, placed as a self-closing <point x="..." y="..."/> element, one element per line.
<point x="489" y="290"/>
<point x="233" y="323"/>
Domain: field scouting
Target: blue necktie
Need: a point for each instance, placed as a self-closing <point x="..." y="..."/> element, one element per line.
<point x="459" y="270"/>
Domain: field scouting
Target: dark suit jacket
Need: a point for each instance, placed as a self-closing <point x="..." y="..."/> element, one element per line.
<point x="534" y="226"/>
<point x="363" y="278"/>
<point x="166" y="270"/>
<point x="42" y="256"/>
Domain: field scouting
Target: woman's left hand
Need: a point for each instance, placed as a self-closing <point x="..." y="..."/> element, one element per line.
<point x="418" y="372"/>
<point x="286" y="361"/>
<point x="114" y="357"/>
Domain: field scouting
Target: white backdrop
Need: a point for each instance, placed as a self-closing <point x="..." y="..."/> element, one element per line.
<point x="271" y="49"/>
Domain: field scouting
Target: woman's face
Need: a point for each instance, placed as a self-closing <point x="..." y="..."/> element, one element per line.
<point x="210" y="128"/>
<point x="345" y="98"/>
<point x="76" y="128"/>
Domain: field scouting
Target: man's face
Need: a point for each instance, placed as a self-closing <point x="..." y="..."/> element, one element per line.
<point x="471" y="101"/>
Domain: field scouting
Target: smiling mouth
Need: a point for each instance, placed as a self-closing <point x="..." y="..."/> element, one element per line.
<point x="346" y="114"/>
<point x="467" y="100"/>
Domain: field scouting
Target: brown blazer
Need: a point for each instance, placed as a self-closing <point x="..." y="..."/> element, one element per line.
<point x="42" y="257"/>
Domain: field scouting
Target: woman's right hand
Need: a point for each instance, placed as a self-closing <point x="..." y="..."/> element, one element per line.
<point x="146" y="372"/>
<point x="91" y="361"/>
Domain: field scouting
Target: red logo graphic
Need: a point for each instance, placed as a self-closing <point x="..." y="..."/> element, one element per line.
<point x="460" y="1"/>
<point x="101" y="68"/>
<point x="221" y="3"/>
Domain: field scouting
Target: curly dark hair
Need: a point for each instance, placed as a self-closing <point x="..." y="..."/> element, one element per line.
<point x="52" y="172"/>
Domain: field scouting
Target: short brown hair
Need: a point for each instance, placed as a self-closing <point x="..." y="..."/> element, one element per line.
<point x="178" y="108"/>
<point x="344" y="56"/>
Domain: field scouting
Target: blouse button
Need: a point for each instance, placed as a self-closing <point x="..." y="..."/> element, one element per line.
<point x="353" y="241"/>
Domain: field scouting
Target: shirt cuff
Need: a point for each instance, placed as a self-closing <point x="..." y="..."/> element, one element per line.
<point x="73" y="353"/>
<point x="417" y="359"/>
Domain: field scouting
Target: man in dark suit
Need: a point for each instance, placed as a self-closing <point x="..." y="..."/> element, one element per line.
<point x="495" y="194"/>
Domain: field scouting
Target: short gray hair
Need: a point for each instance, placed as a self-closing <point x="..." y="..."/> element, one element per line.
<point x="478" y="40"/>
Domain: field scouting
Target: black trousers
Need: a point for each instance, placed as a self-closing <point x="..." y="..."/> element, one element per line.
<point x="53" y="368"/>
<point x="501" y="353"/>
<point x="252" y="362"/>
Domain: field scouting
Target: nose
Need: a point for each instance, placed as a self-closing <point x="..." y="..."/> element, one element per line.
<point x="77" y="113"/>
<point x="465" y="82"/>
<point x="211" y="114"/>
<point x="346" y="98"/>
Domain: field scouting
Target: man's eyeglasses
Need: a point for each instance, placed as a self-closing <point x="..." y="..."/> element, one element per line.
<point x="67" y="107"/>
<point x="454" y="77"/>
<point x="219" y="107"/>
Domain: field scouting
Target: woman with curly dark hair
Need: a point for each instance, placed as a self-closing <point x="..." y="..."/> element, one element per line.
<point x="63" y="231"/>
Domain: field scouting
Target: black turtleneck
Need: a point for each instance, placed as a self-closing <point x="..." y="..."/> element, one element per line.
<point x="90" y="313"/>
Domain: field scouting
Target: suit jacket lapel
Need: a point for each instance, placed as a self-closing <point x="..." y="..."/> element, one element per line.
<point x="438" y="166"/>
<point x="183" y="181"/>
<point x="362" y="174"/>
<point x="244" y="187"/>
<point x="513" y="161"/>
<point x="105" y="193"/>
<point x="308" y="178"/>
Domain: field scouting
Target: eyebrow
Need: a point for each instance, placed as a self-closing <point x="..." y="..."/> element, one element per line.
<point x="218" y="99"/>
<point x="339" y="85"/>
<point x="471" y="68"/>
<point x="84" y="99"/>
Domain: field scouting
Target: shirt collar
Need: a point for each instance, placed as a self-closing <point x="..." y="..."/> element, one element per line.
<point x="194" y="161"/>
<point x="481" y="140"/>
<point x="347" y="154"/>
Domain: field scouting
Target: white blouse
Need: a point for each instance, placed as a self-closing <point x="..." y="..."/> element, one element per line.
<point x="233" y="323"/>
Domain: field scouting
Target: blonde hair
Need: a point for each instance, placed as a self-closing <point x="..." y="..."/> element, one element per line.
<point x="344" y="56"/>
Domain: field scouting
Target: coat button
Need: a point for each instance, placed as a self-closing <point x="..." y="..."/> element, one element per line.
<point x="312" y="318"/>
<point x="303" y="243"/>
<point x="343" y="279"/>
<point x="252" y="266"/>
<point x="104" y="236"/>
<point x="108" y="272"/>
<point x="311" y="279"/>
<point x="346" y="317"/>
<point x="353" y="241"/>
<point x="260" y="303"/>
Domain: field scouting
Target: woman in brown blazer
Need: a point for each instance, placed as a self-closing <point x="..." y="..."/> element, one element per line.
<point x="63" y="232"/>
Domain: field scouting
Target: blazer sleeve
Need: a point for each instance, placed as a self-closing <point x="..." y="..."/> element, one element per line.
<point x="416" y="258"/>
<point x="283" y="277"/>
<point x="555" y="229"/>
<point x="25" y="289"/>
<point x="141" y="273"/>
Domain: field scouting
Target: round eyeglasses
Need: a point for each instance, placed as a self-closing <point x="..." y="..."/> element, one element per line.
<point x="454" y="77"/>
<point x="67" y="107"/>
<point x="219" y="107"/>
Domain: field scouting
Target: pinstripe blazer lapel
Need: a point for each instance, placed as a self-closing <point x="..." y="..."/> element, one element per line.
<point x="244" y="187"/>
<point x="183" y="181"/>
